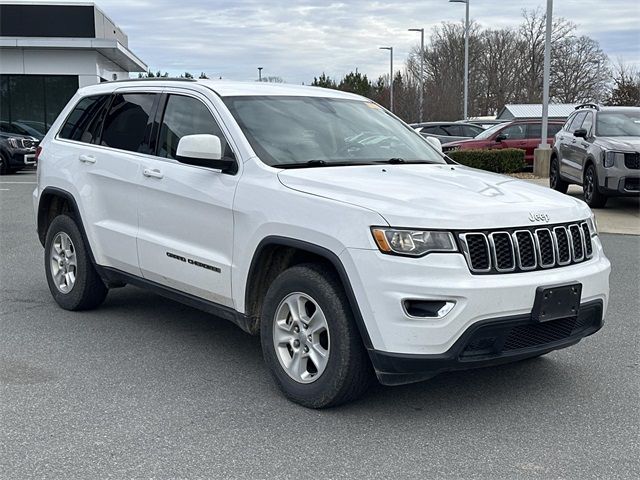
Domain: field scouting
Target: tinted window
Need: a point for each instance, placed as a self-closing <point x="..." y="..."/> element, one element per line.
<point x="127" y="124"/>
<point x="83" y="123"/>
<point x="454" y="130"/>
<point x="588" y="122"/>
<point x="515" y="132"/>
<point x="553" y="129"/>
<point x="577" y="121"/>
<point x="471" y="130"/>
<point x="186" y="116"/>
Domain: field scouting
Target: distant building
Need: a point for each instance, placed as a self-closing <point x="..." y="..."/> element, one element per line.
<point x="48" y="50"/>
<point x="534" y="110"/>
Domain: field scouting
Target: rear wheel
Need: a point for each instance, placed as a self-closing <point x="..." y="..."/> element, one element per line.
<point x="4" y="166"/>
<point x="592" y="195"/>
<point x="73" y="281"/>
<point x="555" y="181"/>
<point x="310" y="341"/>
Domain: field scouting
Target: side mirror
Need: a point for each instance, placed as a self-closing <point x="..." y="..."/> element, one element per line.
<point x="501" y="137"/>
<point x="204" y="150"/>
<point x="435" y="143"/>
<point x="581" y="133"/>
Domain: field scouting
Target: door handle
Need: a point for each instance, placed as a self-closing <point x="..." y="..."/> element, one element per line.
<point x="152" y="173"/>
<point x="87" y="158"/>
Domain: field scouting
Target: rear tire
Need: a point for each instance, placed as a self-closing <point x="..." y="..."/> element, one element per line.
<point x="72" y="278"/>
<point x="592" y="195"/>
<point x="4" y="166"/>
<point x="319" y="304"/>
<point x="555" y="181"/>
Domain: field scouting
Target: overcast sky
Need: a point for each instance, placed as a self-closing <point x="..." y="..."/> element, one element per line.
<point x="299" y="39"/>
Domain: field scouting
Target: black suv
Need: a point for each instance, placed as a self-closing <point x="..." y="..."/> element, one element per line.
<point x="17" y="148"/>
<point x="598" y="148"/>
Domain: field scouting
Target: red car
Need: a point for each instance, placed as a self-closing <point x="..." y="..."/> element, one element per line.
<point x="523" y="134"/>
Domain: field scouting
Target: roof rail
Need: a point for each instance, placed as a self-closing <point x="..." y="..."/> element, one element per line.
<point x="588" y="105"/>
<point x="151" y="79"/>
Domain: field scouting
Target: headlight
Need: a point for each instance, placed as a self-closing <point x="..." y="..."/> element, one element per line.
<point x="593" y="225"/>
<point x="15" y="142"/>
<point x="610" y="159"/>
<point x="414" y="243"/>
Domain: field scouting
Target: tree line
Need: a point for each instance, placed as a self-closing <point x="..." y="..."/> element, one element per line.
<point x="505" y="67"/>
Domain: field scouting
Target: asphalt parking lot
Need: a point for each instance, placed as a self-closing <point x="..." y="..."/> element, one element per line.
<point x="147" y="388"/>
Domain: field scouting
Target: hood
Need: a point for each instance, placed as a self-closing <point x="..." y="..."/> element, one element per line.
<point x="624" y="144"/>
<point x="437" y="196"/>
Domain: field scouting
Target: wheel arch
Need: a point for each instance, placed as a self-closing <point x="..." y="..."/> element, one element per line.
<point x="55" y="201"/>
<point x="273" y="255"/>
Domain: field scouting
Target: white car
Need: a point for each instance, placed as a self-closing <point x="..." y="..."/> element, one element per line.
<point x="318" y="220"/>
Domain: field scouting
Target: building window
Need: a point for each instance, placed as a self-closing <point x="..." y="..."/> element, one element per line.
<point x="33" y="102"/>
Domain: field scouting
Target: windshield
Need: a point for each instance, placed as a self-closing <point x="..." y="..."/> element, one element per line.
<point x="618" y="124"/>
<point x="326" y="131"/>
<point x="489" y="131"/>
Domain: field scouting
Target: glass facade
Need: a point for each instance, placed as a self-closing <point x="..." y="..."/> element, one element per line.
<point x="33" y="102"/>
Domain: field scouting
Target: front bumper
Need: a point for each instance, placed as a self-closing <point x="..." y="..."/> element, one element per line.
<point x="22" y="157"/>
<point x="619" y="181"/>
<point x="381" y="283"/>
<point x="491" y="342"/>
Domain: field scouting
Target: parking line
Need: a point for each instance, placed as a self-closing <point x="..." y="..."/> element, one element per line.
<point x="18" y="183"/>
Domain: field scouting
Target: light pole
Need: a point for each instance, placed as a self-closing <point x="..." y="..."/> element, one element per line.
<point x="421" y="30"/>
<point x="466" y="57"/>
<point x="390" y="77"/>
<point x="545" y="80"/>
<point x="260" y="74"/>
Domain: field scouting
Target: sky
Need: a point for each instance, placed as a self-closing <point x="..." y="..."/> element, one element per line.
<point x="300" y="39"/>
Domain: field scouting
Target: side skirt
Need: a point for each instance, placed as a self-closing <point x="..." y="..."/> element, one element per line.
<point x="114" y="276"/>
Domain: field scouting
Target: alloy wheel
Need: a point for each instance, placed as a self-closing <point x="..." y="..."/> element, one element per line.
<point x="301" y="337"/>
<point x="63" y="262"/>
<point x="589" y="184"/>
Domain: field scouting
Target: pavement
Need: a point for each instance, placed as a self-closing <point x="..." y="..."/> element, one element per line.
<point x="147" y="388"/>
<point x="620" y="215"/>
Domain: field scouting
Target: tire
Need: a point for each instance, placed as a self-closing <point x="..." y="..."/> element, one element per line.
<point x="555" y="181"/>
<point x="4" y="166"/>
<point x="592" y="195"/>
<point x="347" y="371"/>
<point x="82" y="289"/>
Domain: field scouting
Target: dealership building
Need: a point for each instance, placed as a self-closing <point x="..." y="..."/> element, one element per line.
<point x="48" y="50"/>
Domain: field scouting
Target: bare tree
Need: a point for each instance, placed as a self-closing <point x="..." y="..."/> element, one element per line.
<point x="626" y="86"/>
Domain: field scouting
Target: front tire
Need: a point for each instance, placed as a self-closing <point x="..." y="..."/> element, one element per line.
<point x="4" y="166"/>
<point x="592" y="195"/>
<point x="310" y="341"/>
<point x="72" y="278"/>
<point x="555" y="181"/>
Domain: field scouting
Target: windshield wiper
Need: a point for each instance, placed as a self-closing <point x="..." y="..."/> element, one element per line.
<point x="320" y="163"/>
<point x="401" y="161"/>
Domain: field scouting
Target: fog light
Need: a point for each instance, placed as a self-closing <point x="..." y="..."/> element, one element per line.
<point x="427" y="308"/>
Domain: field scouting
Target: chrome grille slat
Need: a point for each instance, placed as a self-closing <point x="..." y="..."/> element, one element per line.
<point x="526" y="249"/>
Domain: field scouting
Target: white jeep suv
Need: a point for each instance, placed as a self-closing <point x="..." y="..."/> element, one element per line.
<point x="318" y="220"/>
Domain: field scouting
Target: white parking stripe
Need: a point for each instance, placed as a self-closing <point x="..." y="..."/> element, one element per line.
<point x="18" y="183"/>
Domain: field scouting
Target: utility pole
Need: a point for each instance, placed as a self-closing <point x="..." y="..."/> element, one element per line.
<point x="390" y="76"/>
<point x="545" y="82"/>
<point x="421" y="30"/>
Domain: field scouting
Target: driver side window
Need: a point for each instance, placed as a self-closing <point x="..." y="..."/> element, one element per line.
<point x="514" y="132"/>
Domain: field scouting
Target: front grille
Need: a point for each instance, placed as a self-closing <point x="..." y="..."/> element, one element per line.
<point x="526" y="336"/>
<point x="632" y="160"/>
<point x="526" y="249"/>
<point x="29" y="143"/>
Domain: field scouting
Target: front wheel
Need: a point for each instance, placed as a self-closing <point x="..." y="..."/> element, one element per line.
<point x="310" y="341"/>
<point x="592" y="195"/>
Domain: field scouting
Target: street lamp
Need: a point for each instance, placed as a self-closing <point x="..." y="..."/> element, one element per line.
<point x="390" y="77"/>
<point x="260" y="73"/>
<point x="421" y="30"/>
<point x="545" y="79"/>
<point x="466" y="56"/>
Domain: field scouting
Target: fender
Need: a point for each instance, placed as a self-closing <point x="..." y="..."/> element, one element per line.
<point x="327" y="255"/>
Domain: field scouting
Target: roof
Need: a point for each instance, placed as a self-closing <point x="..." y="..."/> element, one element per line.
<point x="534" y="110"/>
<point x="227" y="88"/>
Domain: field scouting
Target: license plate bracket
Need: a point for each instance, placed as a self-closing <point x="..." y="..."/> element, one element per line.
<point x="558" y="301"/>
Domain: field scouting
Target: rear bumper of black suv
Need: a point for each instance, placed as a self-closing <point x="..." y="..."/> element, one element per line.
<point x="491" y="342"/>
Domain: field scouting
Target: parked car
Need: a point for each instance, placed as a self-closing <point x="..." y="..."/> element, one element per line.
<point x="483" y="122"/>
<point x="447" y="131"/>
<point x="317" y="220"/>
<point x="598" y="148"/>
<point x="17" y="148"/>
<point x="522" y="134"/>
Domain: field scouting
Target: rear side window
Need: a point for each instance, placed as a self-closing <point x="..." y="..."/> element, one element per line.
<point x="515" y="132"/>
<point x="553" y="129"/>
<point x="127" y="125"/>
<point x="186" y="116"/>
<point x="471" y="130"/>
<point x="83" y="123"/>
